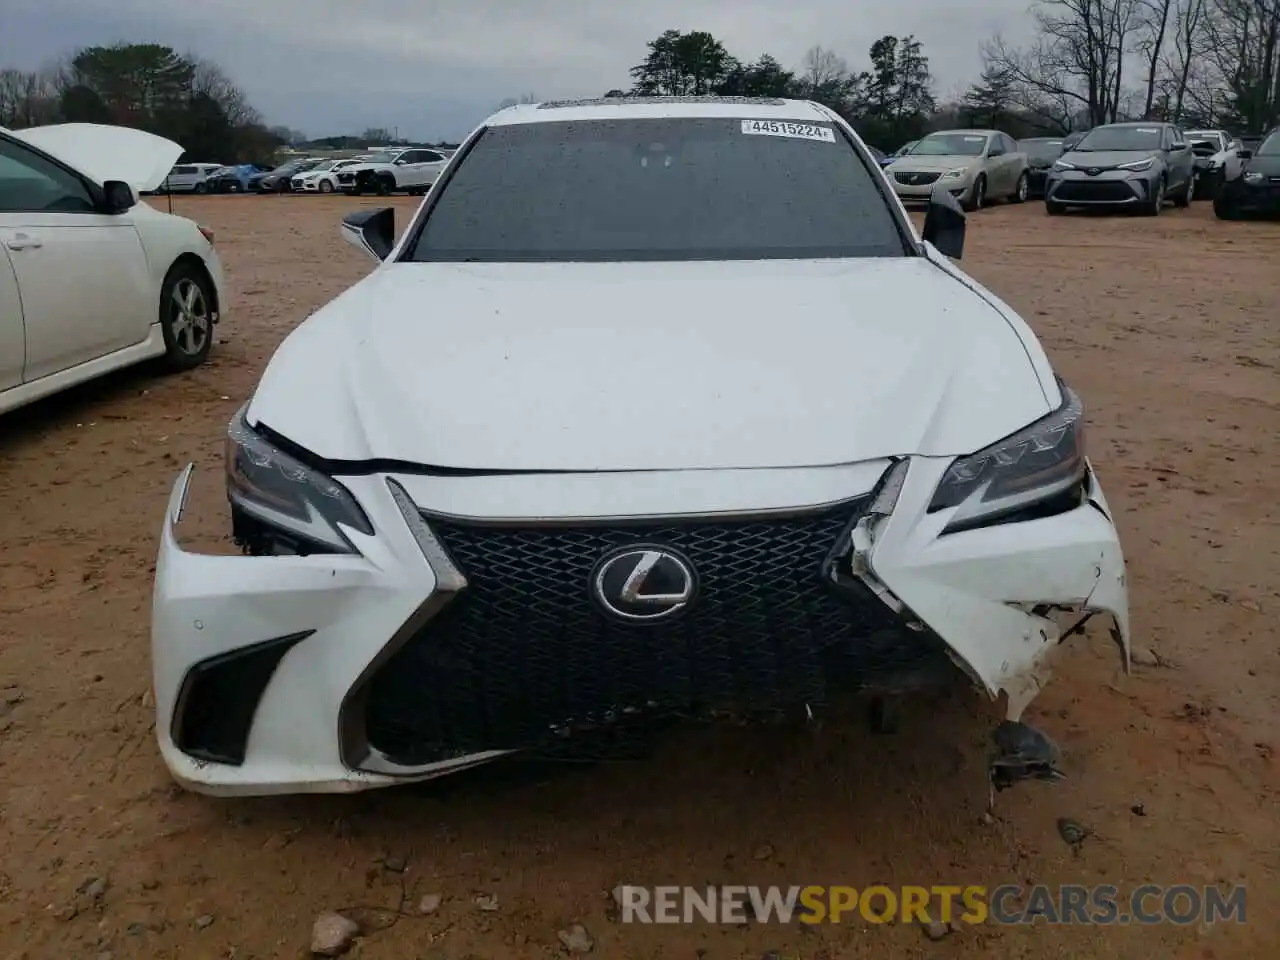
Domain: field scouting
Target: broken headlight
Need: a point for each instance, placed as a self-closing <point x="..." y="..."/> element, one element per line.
<point x="1039" y="464"/>
<point x="291" y="508"/>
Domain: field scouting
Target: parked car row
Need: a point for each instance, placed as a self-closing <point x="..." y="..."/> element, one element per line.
<point x="1140" y="165"/>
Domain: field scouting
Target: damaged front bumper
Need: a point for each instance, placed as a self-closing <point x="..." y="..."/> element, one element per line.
<point x="262" y="664"/>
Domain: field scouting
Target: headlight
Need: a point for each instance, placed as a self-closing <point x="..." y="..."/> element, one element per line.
<point x="955" y="174"/>
<point x="1138" y="164"/>
<point x="284" y="493"/>
<point x="1254" y="177"/>
<point x="1063" y="165"/>
<point x="1038" y="463"/>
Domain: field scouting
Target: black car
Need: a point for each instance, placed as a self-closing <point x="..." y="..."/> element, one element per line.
<point x="1253" y="189"/>
<point x="280" y="179"/>
<point x="1041" y="153"/>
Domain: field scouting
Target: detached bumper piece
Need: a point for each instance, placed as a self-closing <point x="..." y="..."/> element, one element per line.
<point x="523" y="658"/>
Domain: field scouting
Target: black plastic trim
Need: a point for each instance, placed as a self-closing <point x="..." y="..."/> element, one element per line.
<point x="219" y="697"/>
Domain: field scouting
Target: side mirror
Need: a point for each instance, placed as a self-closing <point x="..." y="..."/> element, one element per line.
<point x="373" y="231"/>
<point x="1244" y="154"/>
<point x="117" y="197"/>
<point x="944" y="223"/>
<point x="1179" y="145"/>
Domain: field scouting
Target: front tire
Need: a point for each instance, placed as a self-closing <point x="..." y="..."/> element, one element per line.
<point x="979" y="194"/>
<point x="1224" y="209"/>
<point x="198" y="188"/>
<point x="1155" y="206"/>
<point x="186" y="316"/>
<point x="383" y="186"/>
<point x="1023" y="188"/>
<point x="326" y="186"/>
<point x="1185" y="198"/>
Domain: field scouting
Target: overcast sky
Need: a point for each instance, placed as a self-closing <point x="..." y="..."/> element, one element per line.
<point x="434" y="69"/>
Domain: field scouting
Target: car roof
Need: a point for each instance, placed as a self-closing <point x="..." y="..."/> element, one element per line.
<point x="658" y="108"/>
<point x="971" y="131"/>
<point x="1135" y="123"/>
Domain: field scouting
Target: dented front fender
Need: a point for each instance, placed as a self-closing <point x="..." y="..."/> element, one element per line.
<point x="1002" y="597"/>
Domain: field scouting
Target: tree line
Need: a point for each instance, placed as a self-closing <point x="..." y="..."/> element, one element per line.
<point x="888" y="103"/>
<point x="147" y="86"/>
<point x="1212" y="63"/>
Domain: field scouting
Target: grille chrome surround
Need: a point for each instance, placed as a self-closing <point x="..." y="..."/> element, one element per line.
<point x="523" y="658"/>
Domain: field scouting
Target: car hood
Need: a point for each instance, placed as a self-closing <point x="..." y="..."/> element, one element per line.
<point x="651" y="366"/>
<point x="1268" y="166"/>
<point x="103" y="152"/>
<point x="927" y="164"/>
<point x="1105" y="158"/>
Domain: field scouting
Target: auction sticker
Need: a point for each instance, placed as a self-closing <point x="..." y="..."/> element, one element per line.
<point x="785" y="128"/>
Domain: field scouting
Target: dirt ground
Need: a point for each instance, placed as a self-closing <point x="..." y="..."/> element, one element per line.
<point x="1170" y="330"/>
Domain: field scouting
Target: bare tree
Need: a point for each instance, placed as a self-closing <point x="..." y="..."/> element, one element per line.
<point x="28" y="98"/>
<point x="1153" y="19"/>
<point x="1078" y="56"/>
<point x="1244" y="45"/>
<point x="209" y="79"/>
<point x="823" y="69"/>
<point x="1186" y="60"/>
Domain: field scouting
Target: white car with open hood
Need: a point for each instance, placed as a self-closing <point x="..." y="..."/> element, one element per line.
<point x="613" y="436"/>
<point x="91" y="278"/>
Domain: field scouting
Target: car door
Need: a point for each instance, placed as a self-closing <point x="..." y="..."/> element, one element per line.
<point x="82" y="274"/>
<point x="13" y="342"/>
<point x="1015" y="161"/>
<point x="1181" y="161"/>
<point x="996" y="167"/>
<point x="422" y="167"/>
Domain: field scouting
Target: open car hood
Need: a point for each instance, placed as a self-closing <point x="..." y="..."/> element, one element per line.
<point x="103" y="152"/>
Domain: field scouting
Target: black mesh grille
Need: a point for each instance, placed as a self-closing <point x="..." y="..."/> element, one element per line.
<point x="524" y="654"/>
<point x="1105" y="191"/>
<point x="915" y="179"/>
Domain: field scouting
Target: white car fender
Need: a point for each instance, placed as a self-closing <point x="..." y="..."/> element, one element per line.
<point x="167" y="237"/>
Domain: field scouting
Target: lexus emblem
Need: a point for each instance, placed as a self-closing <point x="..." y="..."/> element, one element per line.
<point x="643" y="584"/>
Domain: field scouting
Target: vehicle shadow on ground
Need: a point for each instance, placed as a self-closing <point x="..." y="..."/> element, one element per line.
<point x="83" y="403"/>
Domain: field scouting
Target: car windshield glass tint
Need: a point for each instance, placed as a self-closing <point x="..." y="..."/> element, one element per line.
<point x="1121" y="138"/>
<point x="1271" y="146"/>
<point x="660" y="189"/>
<point x="1041" y="150"/>
<point x="950" y="145"/>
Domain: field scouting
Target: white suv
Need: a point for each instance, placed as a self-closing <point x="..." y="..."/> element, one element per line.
<point x="412" y="170"/>
<point x="189" y="177"/>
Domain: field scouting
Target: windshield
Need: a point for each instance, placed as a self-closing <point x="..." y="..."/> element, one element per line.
<point x="659" y="189"/>
<point x="1041" y="149"/>
<point x="906" y="148"/>
<point x="1270" y="147"/>
<point x="951" y="145"/>
<point x="321" y="166"/>
<point x="1121" y="138"/>
<point x="386" y="157"/>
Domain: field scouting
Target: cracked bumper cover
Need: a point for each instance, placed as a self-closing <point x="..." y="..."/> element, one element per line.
<point x="994" y="596"/>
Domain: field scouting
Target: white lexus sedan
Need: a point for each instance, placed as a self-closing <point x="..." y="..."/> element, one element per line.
<point x="658" y="408"/>
<point x="91" y="278"/>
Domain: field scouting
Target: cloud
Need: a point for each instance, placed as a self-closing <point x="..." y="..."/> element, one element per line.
<point x="435" y="69"/>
